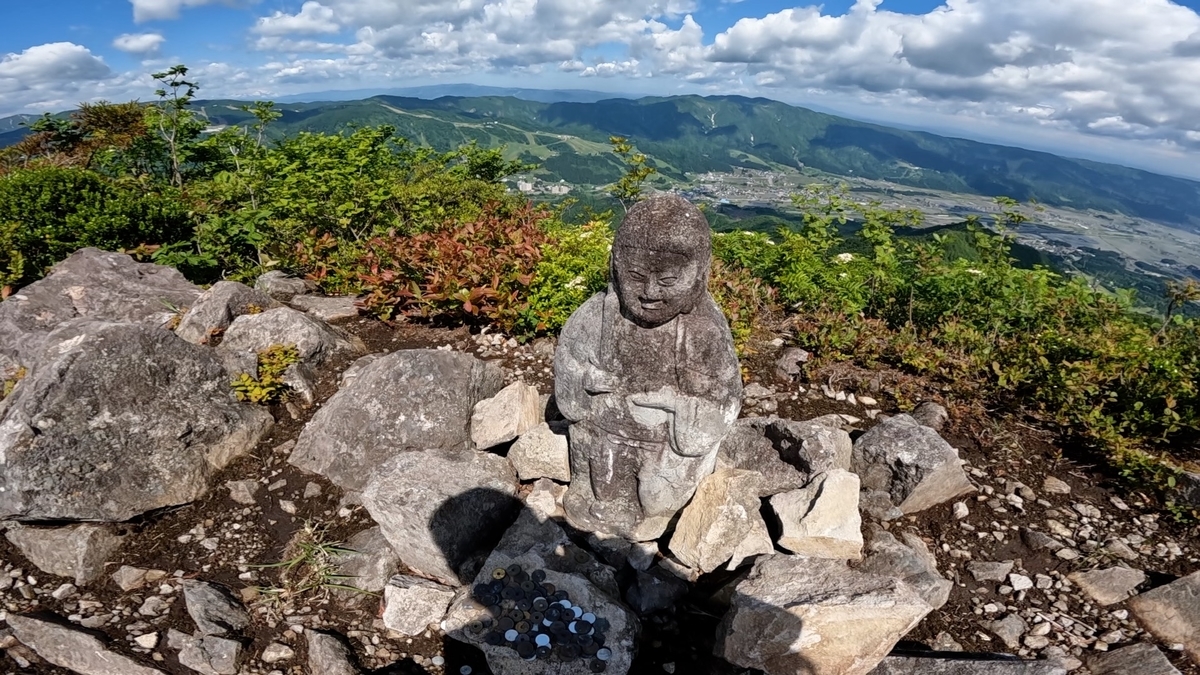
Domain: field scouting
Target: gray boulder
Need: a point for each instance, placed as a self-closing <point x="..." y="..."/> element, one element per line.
<point x="118" y="420"/>
<point x="412" y="604"/>
<point x="655" y="590"/>
<point x="440" y="508"/>
<point x="908" y="559"/>
<point x="372" y="562"/>
<point x="1172" y="614"/>
<point x="785" y="452"/>
<point x="413" y="399"/>
<point x="73" y="649"/>
<point x="967" y="664"/>
<point x="325" y="308"/>
<point x="315" y="340"/>
<point x="280" y="286"/>
<point x="328" y="655"/>
<point x="932" y="415"/>
<point x="213" y="608"/>
<point x="542" y="545"/>
<point x="807" y="615"/>
<point x="89" y="284"/>
<point x="76" y="551"/>
<point x="910" y="463"/>
<point x="217" y="307"/>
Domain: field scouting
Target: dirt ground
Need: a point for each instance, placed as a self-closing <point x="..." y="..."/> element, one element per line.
<point x="250" y="540"/>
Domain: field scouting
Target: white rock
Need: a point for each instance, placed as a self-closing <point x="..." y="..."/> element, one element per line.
<point x="720" y="517"/>
<point x="822" y="519"/>
<point x="502" y="418"/>
<point x="412" y="604"/>
<point x="147" y="641"/>
<point x="541" y="453"/>
<point x="276" y="652"/>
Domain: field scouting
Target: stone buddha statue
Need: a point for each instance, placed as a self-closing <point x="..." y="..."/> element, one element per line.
<point x="647" y="376"/>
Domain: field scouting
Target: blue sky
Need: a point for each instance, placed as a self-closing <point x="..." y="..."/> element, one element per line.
<point x="1115" y="80"/>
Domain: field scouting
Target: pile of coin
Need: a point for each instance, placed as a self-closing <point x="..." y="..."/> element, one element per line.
<point x="539" y="621"/>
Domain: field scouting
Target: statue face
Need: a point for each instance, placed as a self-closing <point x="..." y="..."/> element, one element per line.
<point x="656" y="286"/>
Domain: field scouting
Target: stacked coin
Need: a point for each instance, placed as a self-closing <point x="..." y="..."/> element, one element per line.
<point x="538" y="621"/>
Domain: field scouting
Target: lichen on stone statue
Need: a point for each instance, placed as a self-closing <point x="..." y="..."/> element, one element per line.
<point x="647" y="375"/>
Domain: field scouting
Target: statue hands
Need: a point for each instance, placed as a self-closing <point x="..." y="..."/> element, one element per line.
<point x="597" y="381"/>
<point x="665" y="399"/>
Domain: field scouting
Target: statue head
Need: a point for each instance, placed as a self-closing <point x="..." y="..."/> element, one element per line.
<point x="661" y="259"/>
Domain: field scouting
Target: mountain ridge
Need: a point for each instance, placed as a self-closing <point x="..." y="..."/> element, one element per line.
<point x="690" y="134"/>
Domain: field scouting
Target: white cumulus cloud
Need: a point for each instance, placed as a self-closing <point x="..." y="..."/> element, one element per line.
<point x="312" y="19"/>
<point x="156" y="10"/>
<point x="140" y="44"/>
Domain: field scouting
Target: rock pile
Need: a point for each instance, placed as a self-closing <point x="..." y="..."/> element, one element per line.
<point x="449" y="486"/>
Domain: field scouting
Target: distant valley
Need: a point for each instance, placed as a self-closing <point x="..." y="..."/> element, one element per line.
<point x="755" y="152"/>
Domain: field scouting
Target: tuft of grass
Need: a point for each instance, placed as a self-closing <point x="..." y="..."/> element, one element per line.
<point x="309" y="568"/>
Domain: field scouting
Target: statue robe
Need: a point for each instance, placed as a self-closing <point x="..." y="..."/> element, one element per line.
<point x="634" y="466"/>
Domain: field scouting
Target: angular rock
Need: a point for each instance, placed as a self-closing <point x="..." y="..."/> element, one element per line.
<point x="757" y="542"/>
<point x="372" y="562"/>
<point x="655" y="590"/>
<point x="439" y="508"/>
<point x="541" y="453"/>
<point x="1108" y="586"/>
<point x="1055" y="486"/>
<point x="328" y="655"/>
<point x="910" y="561"/>
<point x="129" y="578"/>
<point x="412" y="604"/>
<point x="91" y="284"/>
<point x="316" y="341"/>
<point x="120" y="419"/>
<point x="721" y="515"/>
<point x="791" y="363"/>
<point x="1141" y="658"/>
<point x="213" y="608"/>
<point x="75" y="551"/>
<point x="1187" y="488"/>
<point x="1172" y="613"/>
<point x="989" y="571"/>
<point x="73" y="649"/>
<point x="217" y="307"/>
<point x="968" y="664"/>
<point x="911" y="463"/>
<point x="747" y="447"/>
<point x="205" y="654"/>
<point x="932" y="415"/>
<point x="276" y="652"/>
<point x="1009" y="630"/>
<point x="815" y="616"/>
<point x="326" y="308"/>
<point x="822" y="520"/>
<point x="243" y="491"/>
<point x="514" y="410"/>
<point x="589" y="584"/>
<point x="280" y="286"/>
<point x="545" y="499"/>
<point x="785" y="452"/>
<point x="413" y="399"/>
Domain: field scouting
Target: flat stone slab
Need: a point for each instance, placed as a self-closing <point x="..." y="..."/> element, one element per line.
<point x="1172" y="613"/>
<point x="537" y="548"/>
<point x="73" y="649"/>
<point x="969" y="664"/>
<point x="1108" y="586"/>
<point x="1142" y="659"/>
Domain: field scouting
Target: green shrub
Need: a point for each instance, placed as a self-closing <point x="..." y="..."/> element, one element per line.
<point x="573" y="267"/>
<point x="50" y="212"/>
